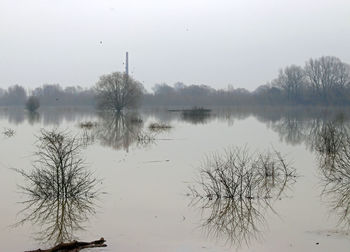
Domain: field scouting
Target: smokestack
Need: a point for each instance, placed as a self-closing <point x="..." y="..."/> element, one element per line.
<point x="127" y="64"/>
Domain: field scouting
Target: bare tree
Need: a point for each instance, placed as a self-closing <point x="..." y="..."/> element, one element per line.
<point x="117" y="91"/>
<point x="327" y="75"/>
<point x="291" y="79"/>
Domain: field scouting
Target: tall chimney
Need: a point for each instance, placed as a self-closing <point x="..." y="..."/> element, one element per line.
<point x="127" y="64"/>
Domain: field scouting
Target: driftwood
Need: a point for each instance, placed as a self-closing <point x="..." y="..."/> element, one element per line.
<point x="73" y="246"/>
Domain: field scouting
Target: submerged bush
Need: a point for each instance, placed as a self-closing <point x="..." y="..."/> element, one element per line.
<point x="87" y="125"/>
<point x="235" y="189"/>
<point x="9" y="132"/>
<point x="59" y="191"/>
<point x="158" y="127"/>
<point x="241" y="174"/>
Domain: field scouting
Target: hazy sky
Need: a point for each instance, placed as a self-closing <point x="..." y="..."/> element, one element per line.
<point x="213" y="42"/>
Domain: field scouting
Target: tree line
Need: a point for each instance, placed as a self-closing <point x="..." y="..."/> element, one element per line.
<point x="48" y="95"/>
<point x="321" y="81"/>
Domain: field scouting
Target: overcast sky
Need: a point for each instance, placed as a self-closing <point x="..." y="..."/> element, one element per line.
<point x="214" y="42"/>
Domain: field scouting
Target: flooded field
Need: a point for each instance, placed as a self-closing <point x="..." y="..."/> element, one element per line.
<point x="243" y="179"/>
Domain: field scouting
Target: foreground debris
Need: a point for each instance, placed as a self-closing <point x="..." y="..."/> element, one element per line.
<point x="74" y="246"/>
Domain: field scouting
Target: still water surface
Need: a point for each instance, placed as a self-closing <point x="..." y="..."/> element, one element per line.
<point x="144" y="202"/>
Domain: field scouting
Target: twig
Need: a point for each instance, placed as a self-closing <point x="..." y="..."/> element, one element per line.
<point x="74" y="246"/>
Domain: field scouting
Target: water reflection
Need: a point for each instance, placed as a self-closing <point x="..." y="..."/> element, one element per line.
<point x="235" y="190"/>
<point x="33" y="117"/>
<point x="120" y="131"/>
<point x="280" y="119"/>
<point x="294" y="126"/>
<point x="333" y="151"/>
<point x="196" y="116"/>
<point x="234" y="221"/>
<point x="305" y="127"/>
<point x="46" y="116"/>
<point x="60" y="192"/>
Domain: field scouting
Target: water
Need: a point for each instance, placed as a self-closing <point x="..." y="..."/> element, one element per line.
<point x="144" y="204"/>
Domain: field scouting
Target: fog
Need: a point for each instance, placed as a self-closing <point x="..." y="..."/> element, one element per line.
<point x="216" y="43"/>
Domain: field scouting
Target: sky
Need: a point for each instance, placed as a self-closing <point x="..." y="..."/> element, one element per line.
<point x="242" y="43"/>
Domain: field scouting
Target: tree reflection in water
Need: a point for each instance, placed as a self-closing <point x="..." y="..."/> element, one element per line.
<point x="60" y="192"/>
<point x="236" y="221"/>
<point x="334" y="161"/>
<point x="120" y="131"/>
<point x="33" y="117"/>
<point x="235" y="190"/>
<point x="196" y="116"/>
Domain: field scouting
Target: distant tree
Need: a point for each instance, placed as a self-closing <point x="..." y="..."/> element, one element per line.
<point x="291" y="80"/>
<point x="32" y="103"/>
<point x="268" y="94"/>
<point x="15" y="95"/>
<point x="2" y="92"/>
<point x="117" y="91"/>
<point x="179" y="85"/>
<point x="163" y="89"/>
<point x="327" y="76"/>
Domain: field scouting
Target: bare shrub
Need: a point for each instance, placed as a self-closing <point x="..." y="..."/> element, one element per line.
<point x="235" y="189"/>
<point x="159" y="127"/>
<point x="9" y="132"/>
<point x="240" y="174"/>
<point x="87" y="125"/>
<point x="334" y="162"/>
<point x="60" y="191"/>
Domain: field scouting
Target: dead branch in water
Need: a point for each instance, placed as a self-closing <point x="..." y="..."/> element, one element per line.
<point x="74" y="246"/>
